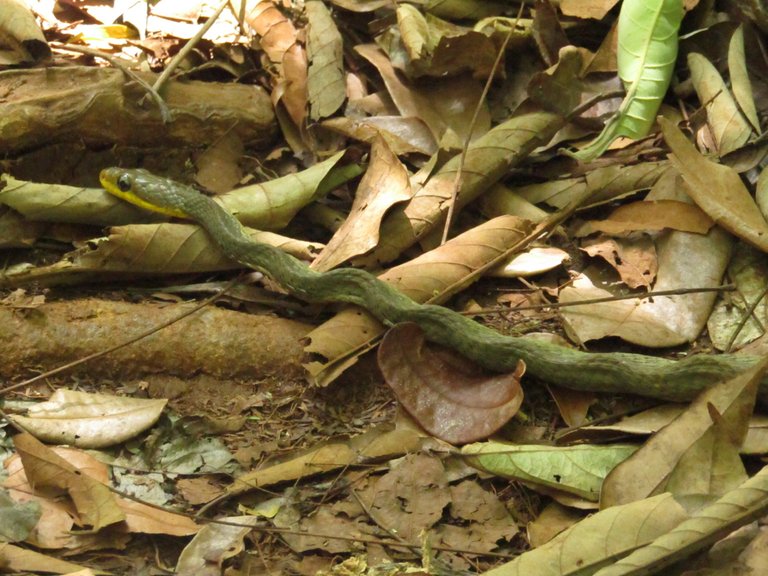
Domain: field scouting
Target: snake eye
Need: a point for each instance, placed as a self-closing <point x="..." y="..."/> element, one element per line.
<point x="124" y="182"/>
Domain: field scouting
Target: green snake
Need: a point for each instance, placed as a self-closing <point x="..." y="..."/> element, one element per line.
<point x="604" y="372"/>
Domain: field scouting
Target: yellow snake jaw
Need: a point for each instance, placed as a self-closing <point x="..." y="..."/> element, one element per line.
<point x="600" y="372"/>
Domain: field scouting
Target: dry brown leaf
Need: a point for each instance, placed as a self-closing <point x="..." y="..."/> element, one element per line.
<point x="717" y="189"/>
<point x="697" y="453"/>
<point x="325" y="458"/>
<point x="596" y="9"/>
<point x="215" y="543"/>
<point x="635" y="260"/>
<point x="402" y="135"/>
<point x="21" y="40"/>
<point x="89" y="420"/>
<point x="279" y="39"/>
<point x="56" y="527"/>
<point x="218" y="167"/>
<point x="739" y="507"/>
<point x="325" y="82"/>
<point x="550" y="522"/>
<point x="385" y="183"/>
<point x="146" y="519"/>
<point x="488" y="158"/>
<point x="729" y="127"/>
<point x="685" y="260"/>
<point x="95" y="504"/>
<point x="650" y="215"/>
<point x="16" y="559"/>
<point x="428" y="277"/>
<point x="598" y="540"/>
<point x="448" y="396"/>
<point x="167" y="248"/>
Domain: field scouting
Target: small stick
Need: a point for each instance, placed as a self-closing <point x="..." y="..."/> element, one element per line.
<point x="187" y="48"/>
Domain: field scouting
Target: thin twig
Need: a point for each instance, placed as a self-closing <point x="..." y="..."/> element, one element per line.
<point x="187" y="48"/>
<point x="647" y="295"/>
<point x="749" y="313"/>
<point x="468" y="138"/>
<point x="123" y="344"/>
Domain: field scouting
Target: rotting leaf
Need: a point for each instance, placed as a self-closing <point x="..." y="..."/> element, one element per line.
<point x="89" y="420"/>
<point x="447" y="396"/>
<point x="17" y="519"/>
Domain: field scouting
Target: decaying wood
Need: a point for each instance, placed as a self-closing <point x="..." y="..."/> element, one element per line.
<point x="102" y="106"/>
<point x="214" y="341"/>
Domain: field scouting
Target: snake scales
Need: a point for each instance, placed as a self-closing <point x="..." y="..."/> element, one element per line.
<point x="610" y="372"/>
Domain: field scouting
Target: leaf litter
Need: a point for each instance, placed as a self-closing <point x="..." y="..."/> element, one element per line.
<point x="341" y="480"/>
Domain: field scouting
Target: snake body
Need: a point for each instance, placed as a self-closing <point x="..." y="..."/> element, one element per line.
<point x="607" y="372"/>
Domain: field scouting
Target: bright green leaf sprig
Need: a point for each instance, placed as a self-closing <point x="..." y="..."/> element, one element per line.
<point x="647" y="51"/>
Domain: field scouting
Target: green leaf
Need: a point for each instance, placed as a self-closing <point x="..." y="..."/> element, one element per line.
<point x="647" y="51"/>
<point x="578" y="470"/>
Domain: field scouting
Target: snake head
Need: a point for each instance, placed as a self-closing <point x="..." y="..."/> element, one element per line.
<point x="143" y="189"/>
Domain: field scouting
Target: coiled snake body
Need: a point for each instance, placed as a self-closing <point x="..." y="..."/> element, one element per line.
<point x="610" y="372"/>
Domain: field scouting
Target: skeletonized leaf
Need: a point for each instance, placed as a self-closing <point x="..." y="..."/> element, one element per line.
<point x="647" y="51"/>
<point x="598" y="539"/>
<point x="325" y="78"/>
<point x="353" y="331"/>
<point x="90" y="420"/>
<point x="448" y="396"/>
<point x="578" y="470"/>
